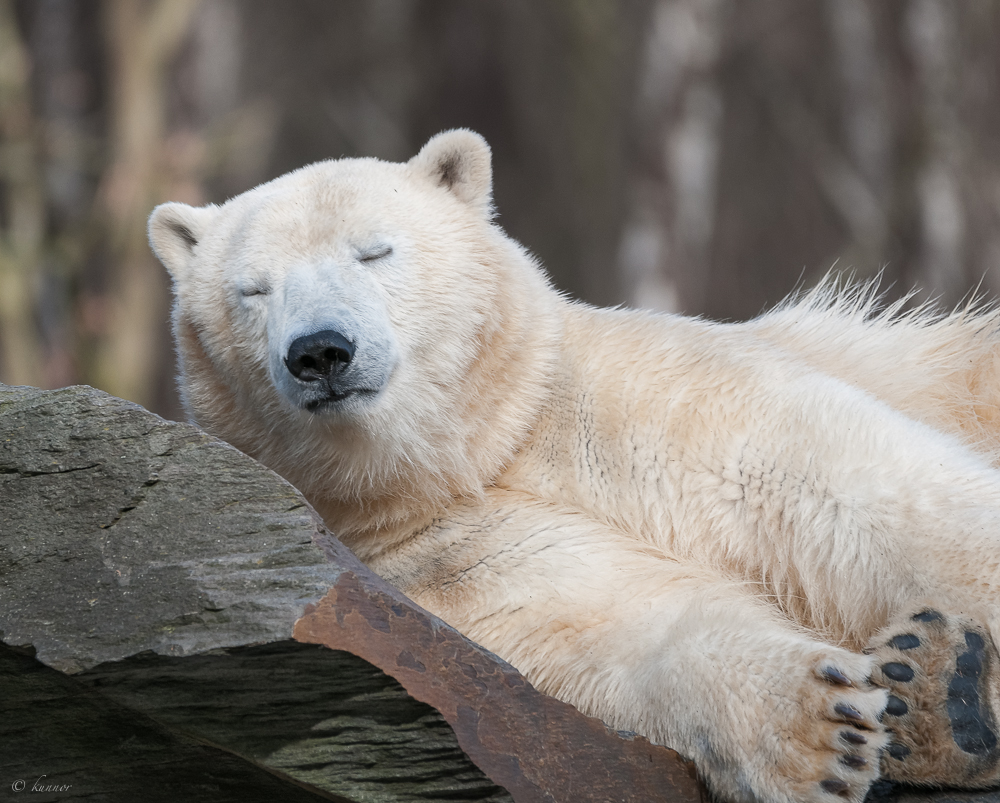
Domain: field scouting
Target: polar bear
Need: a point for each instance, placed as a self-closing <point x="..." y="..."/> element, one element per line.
<point x="773" y="545"/>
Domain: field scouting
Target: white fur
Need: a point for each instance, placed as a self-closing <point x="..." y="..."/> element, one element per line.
<point x="676" y="525"/>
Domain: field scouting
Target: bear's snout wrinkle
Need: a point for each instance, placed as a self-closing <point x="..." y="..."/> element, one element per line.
<point x="319" y="356"/>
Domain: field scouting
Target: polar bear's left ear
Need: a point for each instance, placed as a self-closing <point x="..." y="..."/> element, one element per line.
<point x="459" y="160"/>
<point x="175" y="231"/>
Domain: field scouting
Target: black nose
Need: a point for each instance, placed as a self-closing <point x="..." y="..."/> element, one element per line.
<point x="319" y="356"/>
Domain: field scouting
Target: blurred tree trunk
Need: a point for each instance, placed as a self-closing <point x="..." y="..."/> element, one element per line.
<point x="23" y="230"/>
<point x="65" y="91"/>
<point x="778" y="139"/>
<point x="143" y="37"/>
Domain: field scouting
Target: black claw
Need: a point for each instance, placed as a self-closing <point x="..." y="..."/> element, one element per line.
<point x="898" y="672"/>
<point x="853" y="761"/>
<point x="834" y="786"/>
<point x="906" y="641"/>
<point x="853" y="737"/>
<point x="898" y="751"/>
<point x="927" y="616"/>
<point x="896" y="707"/>
<point x="837" y="677"/>
<point x="848" y="712"/>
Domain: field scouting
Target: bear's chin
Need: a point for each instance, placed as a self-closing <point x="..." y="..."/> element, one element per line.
<point x="348" y="402"/>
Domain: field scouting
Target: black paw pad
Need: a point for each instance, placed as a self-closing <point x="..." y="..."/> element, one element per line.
<point x="853" y="761"/>
<point x="906" y="641"/>
<point x="970" y="723"/>
<point x="928" y="616"/>
<point x="896" y="707"/>
<point x="898" y="751"/>
<point x="898" y="672"/>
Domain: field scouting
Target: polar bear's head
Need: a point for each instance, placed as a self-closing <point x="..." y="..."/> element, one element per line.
<point x="360" y="326"/>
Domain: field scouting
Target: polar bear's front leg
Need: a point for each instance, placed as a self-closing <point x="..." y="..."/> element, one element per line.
<point x="802" y="721"/>
<point x="676" y="652"/>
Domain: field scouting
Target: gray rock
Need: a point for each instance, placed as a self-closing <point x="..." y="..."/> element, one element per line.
<point x="61" y="741"/>
<point x="325" y="717"/>
<point x="121" y="532"/>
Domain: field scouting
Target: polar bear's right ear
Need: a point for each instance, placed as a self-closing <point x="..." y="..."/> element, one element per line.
<point x="459" y="160"/>
<point x="175" y="231"/>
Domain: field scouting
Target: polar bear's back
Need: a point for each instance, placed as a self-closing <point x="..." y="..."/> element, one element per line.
<point x="941" y="369"/>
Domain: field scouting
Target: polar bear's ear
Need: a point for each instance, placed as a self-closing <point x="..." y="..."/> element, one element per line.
<point x="460" y="161"/>
<point x="174" y="232"/>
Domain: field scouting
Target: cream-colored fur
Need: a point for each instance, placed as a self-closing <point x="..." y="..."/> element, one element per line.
<point x="697" y="531"/>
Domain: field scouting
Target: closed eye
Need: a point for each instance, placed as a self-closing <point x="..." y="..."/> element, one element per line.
<point x="255" y="290"/>
<point x="375" y="254"/>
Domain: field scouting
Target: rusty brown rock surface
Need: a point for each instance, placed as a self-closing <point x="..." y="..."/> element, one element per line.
<point x="538" y="748"/>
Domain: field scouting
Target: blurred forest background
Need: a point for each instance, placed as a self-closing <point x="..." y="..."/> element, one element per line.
<point x="701" y="156"/>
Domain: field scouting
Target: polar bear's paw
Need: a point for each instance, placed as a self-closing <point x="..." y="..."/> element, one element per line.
<point x="941" y="673"/>
<point x="825" y="740"/>
<point x="840" y="737"/>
